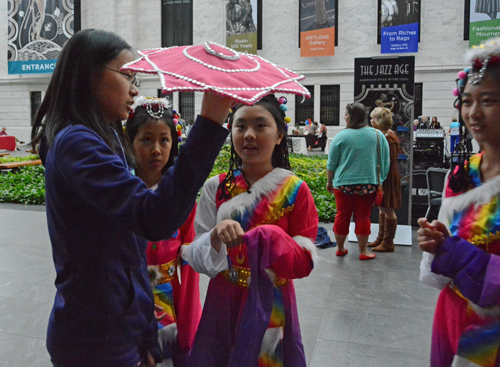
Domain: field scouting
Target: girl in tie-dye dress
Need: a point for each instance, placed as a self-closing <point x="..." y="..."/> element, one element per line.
<point x="255" y="227"/>
<point x="462" y="248"/>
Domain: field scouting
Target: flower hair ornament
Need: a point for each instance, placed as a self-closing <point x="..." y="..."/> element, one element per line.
<point x="154" y="106"/>
<point x="480" y="58"/>
<point x="283" y="101"/>
<point x="178" y="127"/>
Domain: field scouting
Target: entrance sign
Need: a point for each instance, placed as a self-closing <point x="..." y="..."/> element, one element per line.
<point x="37" y="31"/>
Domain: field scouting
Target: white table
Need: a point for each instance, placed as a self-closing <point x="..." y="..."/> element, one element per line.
<point x="299" y="145"/>
<point x="327" y="146"/>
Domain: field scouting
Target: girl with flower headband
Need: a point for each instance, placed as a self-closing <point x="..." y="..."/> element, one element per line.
<point x="99" y="213"/>
<point x="255" y="227"/>
<point x="153" y="130"/>
<point x="462" y="248"/>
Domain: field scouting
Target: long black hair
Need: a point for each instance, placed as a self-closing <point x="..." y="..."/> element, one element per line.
<point x="70" y="96"/>
<point x="280" y="154"/>
<point x="140" y="117"/>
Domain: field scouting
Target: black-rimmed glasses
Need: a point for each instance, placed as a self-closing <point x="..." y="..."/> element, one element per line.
<point x="132" y="78"/>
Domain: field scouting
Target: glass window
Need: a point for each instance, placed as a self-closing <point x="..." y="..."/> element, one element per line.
<point x="186" y="105"/>
<point x="418" y="100"/>
<point x="304" y="110"/>
<point x="36" y="101"/>
<point x="466" y="20"/>
<point x="77" y="16"/>
<point x="176" y="23"/>
<point x="330" y="105"/>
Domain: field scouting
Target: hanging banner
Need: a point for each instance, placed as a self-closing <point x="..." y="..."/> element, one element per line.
<point x="399" y="39"/>
<point x="398" y="15"/>
<point x="241" y="25"/>
<point x="483" y="21"/>
<point x="317" y="28"/>
<point x="389" y="82"/>
<point x="37" y="31"/>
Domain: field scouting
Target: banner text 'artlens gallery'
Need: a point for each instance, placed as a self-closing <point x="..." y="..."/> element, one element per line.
<point x="37" y="31"/>
<point x="317" y="28"/>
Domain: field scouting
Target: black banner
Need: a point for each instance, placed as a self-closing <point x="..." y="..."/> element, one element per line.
<point x="386" y="82"/>
<point x="389" y="82"/>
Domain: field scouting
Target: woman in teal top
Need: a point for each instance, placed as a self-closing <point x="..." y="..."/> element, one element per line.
<point x="352" y="176"/>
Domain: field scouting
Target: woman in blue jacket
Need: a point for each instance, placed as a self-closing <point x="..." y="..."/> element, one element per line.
<point x="99" y="213"/>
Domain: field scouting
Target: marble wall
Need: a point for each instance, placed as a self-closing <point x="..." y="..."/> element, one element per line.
<point x="440" y="55"/>
<point x="439" y="58"/>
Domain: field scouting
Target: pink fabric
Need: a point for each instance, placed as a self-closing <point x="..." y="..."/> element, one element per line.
<point x="347" y="204"/>
<point x="457" y="328"/>
<point x="255" y="77"/>
<point x="449" y="321"/>
<point x="268" y="247"/>
<point x="186" y="294"/>
<point x="225" y="305"/>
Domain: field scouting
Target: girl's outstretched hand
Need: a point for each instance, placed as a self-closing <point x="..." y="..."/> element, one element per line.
<point x="215" y="107"/>
<point x="431" y="235"/>
<point x="229" y="232"/>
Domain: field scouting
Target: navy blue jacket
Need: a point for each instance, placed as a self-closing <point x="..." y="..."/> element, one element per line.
<point x="98" y="215"/>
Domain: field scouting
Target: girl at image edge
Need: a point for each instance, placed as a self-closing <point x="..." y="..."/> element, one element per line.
<point x="462" y="247"/>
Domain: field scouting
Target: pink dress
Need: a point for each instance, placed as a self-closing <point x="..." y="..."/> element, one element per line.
<point x="176" y="289"/>
<point x="466" y="330"/>
<point x="250" y="319"/>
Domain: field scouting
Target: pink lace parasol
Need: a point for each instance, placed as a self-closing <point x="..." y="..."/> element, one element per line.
<point x="213" y="67"/>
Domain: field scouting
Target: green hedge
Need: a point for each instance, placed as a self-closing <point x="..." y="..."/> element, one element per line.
<point x="19" y="159"/>
<point x="312" y="169"/>
<point x="27" y="185"/>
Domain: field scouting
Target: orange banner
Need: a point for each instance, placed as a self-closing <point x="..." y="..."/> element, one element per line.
<point x="319" y="42"/>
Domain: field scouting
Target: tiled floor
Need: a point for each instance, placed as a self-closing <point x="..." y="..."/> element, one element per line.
<point x="352" y="313"/>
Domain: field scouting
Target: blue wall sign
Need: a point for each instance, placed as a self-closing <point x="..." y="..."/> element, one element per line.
<point x="399" y="39"/>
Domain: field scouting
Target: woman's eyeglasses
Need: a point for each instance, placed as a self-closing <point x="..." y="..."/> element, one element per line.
<point x="132" y="78"/>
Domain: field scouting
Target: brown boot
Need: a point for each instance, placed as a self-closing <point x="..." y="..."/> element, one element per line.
<point x="380" y="236"/>
<point x="387" y="244"/>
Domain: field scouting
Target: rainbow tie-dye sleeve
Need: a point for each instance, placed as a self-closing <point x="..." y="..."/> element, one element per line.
<point x="164" y="297"/>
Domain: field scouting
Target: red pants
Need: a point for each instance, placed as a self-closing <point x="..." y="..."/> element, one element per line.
<point x="347" y="204"/>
